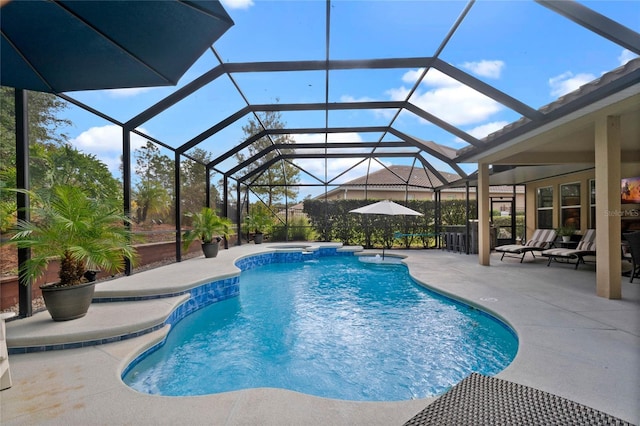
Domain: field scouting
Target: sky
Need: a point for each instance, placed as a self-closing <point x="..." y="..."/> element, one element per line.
<point x="520" y="47"/>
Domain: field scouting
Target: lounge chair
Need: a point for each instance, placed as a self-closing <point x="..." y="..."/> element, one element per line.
<point x="586" y="247"/>
<point x="541" y="240"/>
<point x="634" y="251"/>
<point x="5" y="374"/>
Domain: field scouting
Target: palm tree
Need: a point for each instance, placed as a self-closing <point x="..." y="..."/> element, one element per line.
<point x="206" y="225"/>
<point x="84" y="233"/>
<point x="151" y="199"/>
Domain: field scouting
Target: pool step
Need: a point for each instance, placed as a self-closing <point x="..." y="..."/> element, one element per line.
<point x="104" y="323"/>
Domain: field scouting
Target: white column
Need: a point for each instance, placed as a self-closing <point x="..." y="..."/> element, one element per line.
<point x="484" y="246"/>
<point x="608" y="230"/>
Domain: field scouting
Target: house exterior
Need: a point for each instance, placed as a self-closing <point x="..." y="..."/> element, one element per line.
<point x="573" y="169"/>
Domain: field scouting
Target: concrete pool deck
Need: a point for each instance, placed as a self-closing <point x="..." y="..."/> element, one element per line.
<point x="572" y="344"/>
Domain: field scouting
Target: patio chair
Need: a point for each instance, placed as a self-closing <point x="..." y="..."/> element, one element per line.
<point x="541" y="240"/>
<point x="586" y="247"/>
<point x="633" y="238"/>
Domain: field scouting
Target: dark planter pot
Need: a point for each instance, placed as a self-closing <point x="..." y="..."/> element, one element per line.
<point x="67" y="303"/>
<point x="257" y="238"/>
<point x="210" y="249"/>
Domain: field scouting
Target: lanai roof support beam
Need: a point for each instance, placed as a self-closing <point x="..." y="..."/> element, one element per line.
<point x="25" y="308"/>
<point x="595" y="22"/>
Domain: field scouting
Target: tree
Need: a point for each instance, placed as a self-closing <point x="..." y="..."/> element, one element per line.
<point x="151" y="200"/>
<point x="154" y="191"/>
<point x="44" y="126"/>
<point x="65" y="165"/>
<point x="193" y="181"/>
<point x="52" y="160"/>
<point x="279" y="180"/>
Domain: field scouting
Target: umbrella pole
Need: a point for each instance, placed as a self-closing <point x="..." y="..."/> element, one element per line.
<point x="386" y="223"/>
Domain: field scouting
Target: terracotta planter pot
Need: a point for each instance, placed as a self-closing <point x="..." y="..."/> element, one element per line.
<point x="67" y="303"/>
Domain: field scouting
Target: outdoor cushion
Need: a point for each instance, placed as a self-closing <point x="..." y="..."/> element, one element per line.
<point x="586" y="247"/>
<point x="634" y="253"/>
<point x="539" y="241"/>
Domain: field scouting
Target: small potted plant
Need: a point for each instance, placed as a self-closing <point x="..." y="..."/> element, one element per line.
<point x="209" y="228"/>
<point x="259" y="222"/>
<point x="566" y="232"/>
<point x="84" y="234"/>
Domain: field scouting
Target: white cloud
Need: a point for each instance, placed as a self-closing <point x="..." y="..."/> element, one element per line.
<point x="349" y="98"/>
<point x="433" y="78"/>
<point x="398" y="94"/>
<point x="484" y="68"/>
<point x="410" y="77"/>
<point x="105" y="143"/>
<point x="457" y="105"/>
<point x="448" y="99"/>
<point x="485" y="130"/>
<point x="237" y="4"/>
<point x="335" y="166"/>
<point x="568" y="82"/>
<point x="626" y="56"/>
<point x="128" y="93"/>
<point x="385" y="113"/>
<point x="331" y="137"/>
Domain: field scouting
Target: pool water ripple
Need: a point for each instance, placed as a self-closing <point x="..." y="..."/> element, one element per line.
<point x="332" y="327"/>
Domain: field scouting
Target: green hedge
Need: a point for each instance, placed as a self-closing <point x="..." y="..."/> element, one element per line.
<point x="299" y="230"/>
<point x="332" y="221"/>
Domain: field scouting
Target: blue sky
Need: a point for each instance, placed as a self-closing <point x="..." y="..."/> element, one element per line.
<point x="520" y="47"/>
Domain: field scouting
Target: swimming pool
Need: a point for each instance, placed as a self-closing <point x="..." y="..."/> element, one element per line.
<point x="330" y="327"/>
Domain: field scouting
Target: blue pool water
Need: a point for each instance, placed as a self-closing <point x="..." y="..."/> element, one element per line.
<point x="332" y="327"/>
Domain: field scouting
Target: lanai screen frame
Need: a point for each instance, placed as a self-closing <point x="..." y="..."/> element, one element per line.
<point x="418" y="150"/>
<point x="533" y="118"/>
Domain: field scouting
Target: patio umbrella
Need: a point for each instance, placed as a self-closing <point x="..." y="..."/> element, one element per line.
<point x="72" y="45"/>
<point x="388" y="208"/>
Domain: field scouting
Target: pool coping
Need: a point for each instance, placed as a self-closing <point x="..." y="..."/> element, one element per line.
<point x="566" y="336"/>
<point x="39" y="334"/>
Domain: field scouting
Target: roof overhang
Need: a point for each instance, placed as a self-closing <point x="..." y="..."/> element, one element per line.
<point x="570" y="138"/>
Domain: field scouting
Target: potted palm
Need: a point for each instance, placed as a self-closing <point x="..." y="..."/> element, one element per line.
<point x="259" y="222"/>
<point x="566" y="232"/>
<point x="84" y="234"/>
<point x="208" y="227"/>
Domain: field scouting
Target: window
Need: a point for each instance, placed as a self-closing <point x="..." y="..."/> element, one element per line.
<point x="545" y="208"/>
<point x="592" y="204"/>
<point x="570" y="205"/>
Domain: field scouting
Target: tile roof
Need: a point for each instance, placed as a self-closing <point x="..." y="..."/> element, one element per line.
<point x="395" y="177"/>
<point x="400" y="176"/>
<point x="571" y="97"/>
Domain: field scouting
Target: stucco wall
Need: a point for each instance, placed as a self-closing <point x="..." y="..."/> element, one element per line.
<point x="628" y="213"/>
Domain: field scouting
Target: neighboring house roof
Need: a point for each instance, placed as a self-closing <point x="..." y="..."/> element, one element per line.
<point x="401" y="176"/>
<point x="396" y="178"/>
